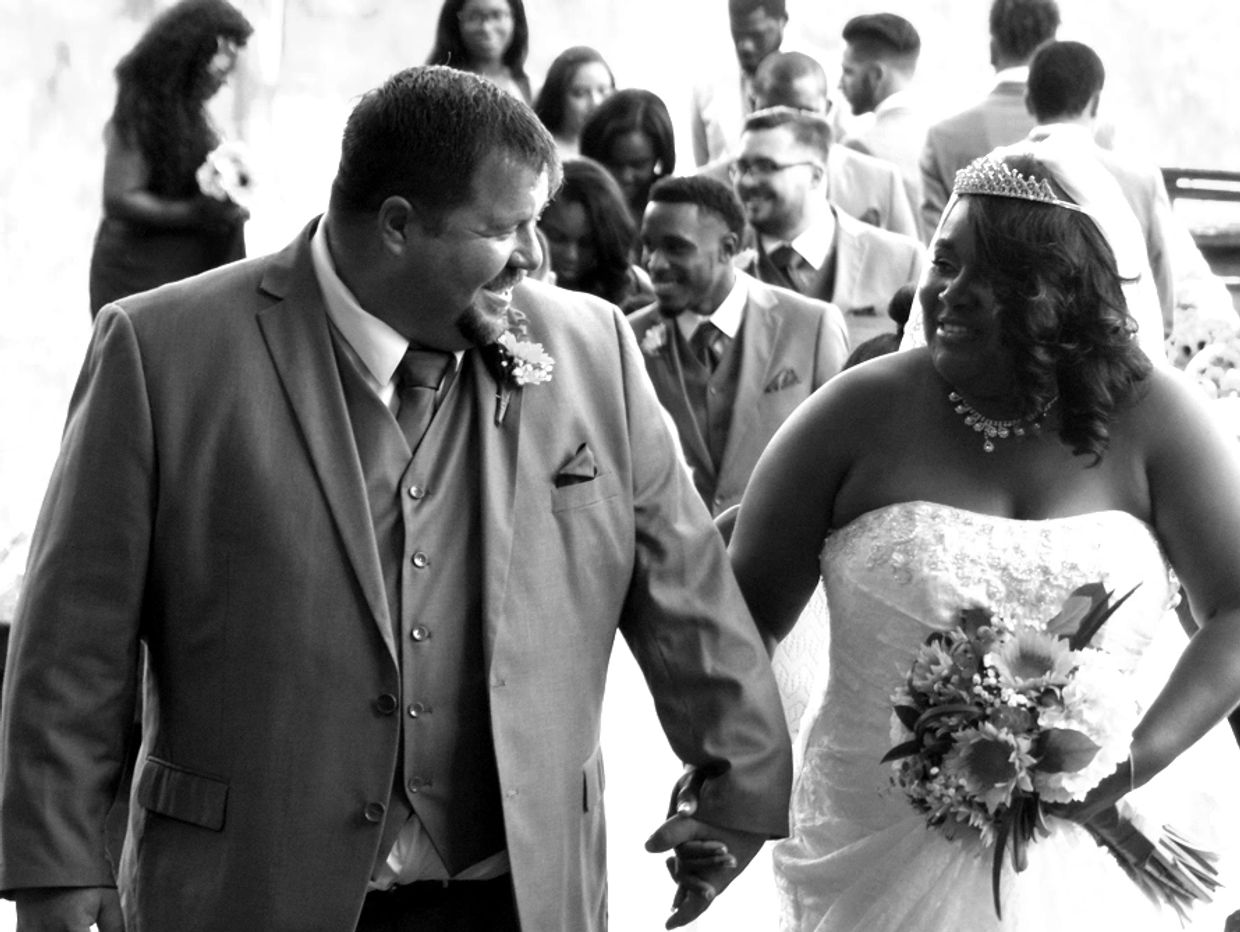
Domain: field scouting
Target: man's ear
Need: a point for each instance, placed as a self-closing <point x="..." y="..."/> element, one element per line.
<point x="397" y="220"/>
<point x="729" y="246"/>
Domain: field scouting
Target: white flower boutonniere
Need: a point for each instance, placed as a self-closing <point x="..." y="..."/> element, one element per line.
<point x="515" y="361"/>
<point x="225" y="174"/>
<point x="655" y="339"/>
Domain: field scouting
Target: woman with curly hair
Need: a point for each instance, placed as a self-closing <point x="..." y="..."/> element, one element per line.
<point x="592" y="239"/>
<point x="158" y="225"/>
<point x="1026" y="462"/>
<point x="577" y="82"/>
<point x="491" y="38"/>
<point x="631" y="135"/>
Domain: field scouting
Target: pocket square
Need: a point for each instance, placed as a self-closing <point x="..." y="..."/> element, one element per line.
<point x="579" y="468"/>
<point x="783" y="379"/>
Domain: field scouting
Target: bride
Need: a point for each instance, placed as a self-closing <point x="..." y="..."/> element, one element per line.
<point x="1029" y="450"/>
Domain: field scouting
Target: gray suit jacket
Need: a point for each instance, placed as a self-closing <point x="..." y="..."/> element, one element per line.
<point x="209" y="502"/>
<point x="790" y="345"/>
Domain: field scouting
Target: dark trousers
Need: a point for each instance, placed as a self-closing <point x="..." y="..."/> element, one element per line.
<point x="433" y="906"/>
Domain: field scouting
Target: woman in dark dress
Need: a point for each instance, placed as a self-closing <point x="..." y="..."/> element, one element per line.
<point x="158" y="225"/>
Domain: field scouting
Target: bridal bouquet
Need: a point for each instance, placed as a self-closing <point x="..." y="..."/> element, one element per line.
<point x="225" y="174"/>
<point x="997" y="720"/>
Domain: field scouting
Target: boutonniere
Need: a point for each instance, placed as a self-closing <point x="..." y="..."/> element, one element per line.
<point x="655" y="339"/>
<point x="515" y="361"/>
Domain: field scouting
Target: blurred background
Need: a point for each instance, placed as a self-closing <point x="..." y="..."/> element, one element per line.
<point x="1171" y="71"/>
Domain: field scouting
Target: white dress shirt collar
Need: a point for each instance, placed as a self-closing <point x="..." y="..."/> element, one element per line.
<point x="727" y="316"/>
<point x="814" y="244"/>
<point x="1018" y="74"/>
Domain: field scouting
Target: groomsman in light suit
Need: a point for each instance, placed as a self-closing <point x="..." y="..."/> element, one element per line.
<point x="376" y="506"/>
<point x="730" y="357"/>
<point x="804" y="242"/>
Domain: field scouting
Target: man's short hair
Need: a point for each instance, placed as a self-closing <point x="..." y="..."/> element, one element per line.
<point x="779" y="72"/>
<point x="422" y="134"/>
<point x="1064" y="78"/>
<point x="707" y="193"/>
<point x="774" y="8"/>
<point x="809" y="129"/>
<point x="1020" y="26"/>
<point x="883" y="36"/>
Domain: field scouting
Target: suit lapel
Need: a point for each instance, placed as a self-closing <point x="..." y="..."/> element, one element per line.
<point x="663" y="365"/>
<point x="850" y="253"/>
<point x="295" y="329"/>
<point x="759" y="332"/>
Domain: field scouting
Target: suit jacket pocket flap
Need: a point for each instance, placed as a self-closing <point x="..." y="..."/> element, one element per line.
<point x="592" y="781"/>
<point x="182" y="794"/>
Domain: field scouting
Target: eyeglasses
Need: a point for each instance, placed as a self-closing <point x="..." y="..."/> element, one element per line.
<point x="762" y="168"/>
<point x="476" y="18"/>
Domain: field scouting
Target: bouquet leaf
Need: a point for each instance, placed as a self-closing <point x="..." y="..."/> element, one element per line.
<point x="1065" y="750"/>
<point x="907" y="749"/>
<point x="1099" y="611"/>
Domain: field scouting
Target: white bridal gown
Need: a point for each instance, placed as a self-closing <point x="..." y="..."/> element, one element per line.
<point x="860" y="857"/>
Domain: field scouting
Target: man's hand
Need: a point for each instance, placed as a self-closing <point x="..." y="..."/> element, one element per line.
<point x="68" y="909"/>
<point x="708" y="858"/>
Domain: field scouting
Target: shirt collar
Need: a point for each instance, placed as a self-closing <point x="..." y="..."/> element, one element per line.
<point x="1017" y="74"/>
<point x="727" y="316"/>
<point x="1062" y="131"/>
<point x="814" y="245"/>
<point x="894" y="101"/>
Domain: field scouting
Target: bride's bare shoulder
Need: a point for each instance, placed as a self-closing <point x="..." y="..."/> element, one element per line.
<point x="879" y="390"/>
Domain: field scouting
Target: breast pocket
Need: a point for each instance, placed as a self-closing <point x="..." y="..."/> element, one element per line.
<point x="583" y="494"/>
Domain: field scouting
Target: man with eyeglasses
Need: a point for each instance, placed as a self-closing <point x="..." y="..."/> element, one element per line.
<point x="802" y="240"/>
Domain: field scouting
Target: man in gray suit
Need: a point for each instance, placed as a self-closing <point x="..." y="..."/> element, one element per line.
<point x="1017" y="28"/>
<point x="730" y="357"/>
<point x="376" y="506"/>
<point x="803" y="241"/>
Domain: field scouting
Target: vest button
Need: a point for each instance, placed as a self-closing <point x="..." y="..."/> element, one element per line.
<point x="385" y="704"/>
<point x="373" y="812"/>
<point x="416" y="784"/>
<point x="420" y="633"/>
<point x="417" y="493"/>
<point x="421" y="560"/>
<point x="418" y="708"/>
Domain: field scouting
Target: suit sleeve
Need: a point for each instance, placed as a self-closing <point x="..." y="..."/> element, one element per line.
<point x="833" y="345"/>
<point x="934" y="190"/>
<point x="71" y="683"/>
<point x="687" y="625"/>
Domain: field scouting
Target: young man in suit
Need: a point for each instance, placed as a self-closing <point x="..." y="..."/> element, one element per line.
<point x="804" y="242"/>
<point x="730" y="357"/>
<point x="375" y="506"/>
<point x="1017" y="28"/>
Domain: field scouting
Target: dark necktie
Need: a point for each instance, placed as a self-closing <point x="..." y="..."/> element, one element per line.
<point x="418" y="378"/>
<point x="708" y="343"/>
<point x="791" y="266"/>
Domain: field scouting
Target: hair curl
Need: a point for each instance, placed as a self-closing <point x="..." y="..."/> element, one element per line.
<point x="612" y="230"/>
<point x="1062" y="311"/>
<point x="449" y="48"/>
<point x="552" y="97"/>
<point x="423" y="134"/>
<point x="163" y="85"/>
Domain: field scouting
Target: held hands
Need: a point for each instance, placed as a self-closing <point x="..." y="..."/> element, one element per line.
<point x="708" y="857"/>
<point x="68" y="909"/>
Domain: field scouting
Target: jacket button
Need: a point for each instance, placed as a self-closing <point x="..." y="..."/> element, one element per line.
<point x="386" y="704"/>
<point x="420" y="633"/>
<point x="418" y="708"/>
<point x="421" y="560"/>
<point x="417" y="493"/>
<point x="417" y="784"/>
<point x="373" y="812"/>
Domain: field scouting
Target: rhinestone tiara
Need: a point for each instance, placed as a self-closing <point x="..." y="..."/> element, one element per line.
<point x="992" y="177"/>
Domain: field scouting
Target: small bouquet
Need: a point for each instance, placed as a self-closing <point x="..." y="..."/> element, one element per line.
<point x="225" y="174"/>
<point x="998" y="721"/>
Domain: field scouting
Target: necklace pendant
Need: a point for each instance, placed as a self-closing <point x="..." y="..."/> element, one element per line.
<point x="988" y="446"/>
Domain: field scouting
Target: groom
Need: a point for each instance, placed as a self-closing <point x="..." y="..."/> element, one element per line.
<point x="376" y="508"/>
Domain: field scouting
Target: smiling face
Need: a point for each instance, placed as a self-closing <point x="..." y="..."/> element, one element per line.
<point x="486" y="29"/>
<point x="783" y="175"/>
<point x="458" y="275"/>
<point x="589" y="86"/>
<point x="688" y="252"/>
<point x="962" y="314"/>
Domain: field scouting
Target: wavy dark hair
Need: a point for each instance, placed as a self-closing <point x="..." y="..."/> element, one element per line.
<point x="163" y="85"/>
<point x="1062" y="310"/>
<point x="629" y="110"/>
<point x="449" y="48"/>
<point x="551" y="97"/>
<point x="612" y="228"/>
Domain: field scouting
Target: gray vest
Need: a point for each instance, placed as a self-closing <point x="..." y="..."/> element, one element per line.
<point x="711" y="396"/>
<point x="427" y="521"/>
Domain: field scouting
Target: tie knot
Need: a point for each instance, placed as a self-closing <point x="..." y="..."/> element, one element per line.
<point x="422" y="369"/>
<point x="708" y="343"/>
<point x="784" y="257"/>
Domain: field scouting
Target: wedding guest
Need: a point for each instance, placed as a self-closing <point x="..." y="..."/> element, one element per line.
<point x="158" y="224"/>
<point x="577" y="81"/>
<point x="881" y="344"/>
<point x="377" y="506"/>
<point x="1017" y="28"/>
<point x="591" y="238"/>
<point x="803" y="241"/>
<point x="878" y="70"/>
<point x="1029" y="450"/>
<point x="730" y="356"/>
<point x="491" y="38"/>
<point x="631" y="135"/>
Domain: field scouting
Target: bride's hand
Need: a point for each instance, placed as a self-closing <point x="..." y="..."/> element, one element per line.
<point x="708" y="858"/>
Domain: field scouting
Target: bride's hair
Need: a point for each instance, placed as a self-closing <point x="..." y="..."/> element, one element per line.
<point x="1062" y="311"/>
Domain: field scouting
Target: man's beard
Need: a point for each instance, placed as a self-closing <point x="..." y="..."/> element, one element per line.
<point x="485" y="320"/>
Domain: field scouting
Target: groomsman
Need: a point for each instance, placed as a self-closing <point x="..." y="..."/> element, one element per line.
<point x="376" y="507"/>
<point x="730" y="357"/>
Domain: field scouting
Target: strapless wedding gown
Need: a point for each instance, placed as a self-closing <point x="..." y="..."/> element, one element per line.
<point x="860" y="858"/>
